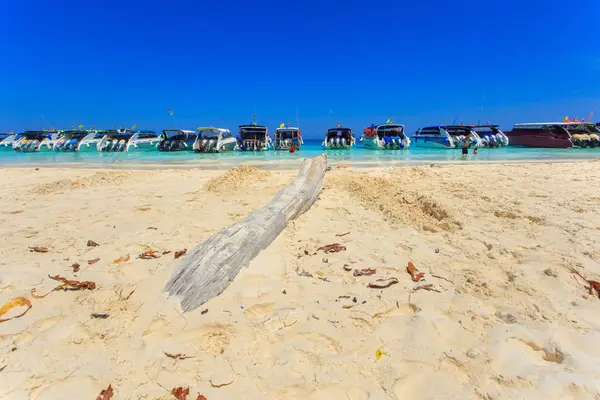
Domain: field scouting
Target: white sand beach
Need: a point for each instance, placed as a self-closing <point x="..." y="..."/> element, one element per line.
<point x="498" y="315"/>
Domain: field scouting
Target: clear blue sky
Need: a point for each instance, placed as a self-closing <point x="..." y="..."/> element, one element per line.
<point x="105" y="62"/>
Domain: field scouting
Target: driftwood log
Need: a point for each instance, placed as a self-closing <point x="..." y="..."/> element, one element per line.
<point x="207" y="270"/>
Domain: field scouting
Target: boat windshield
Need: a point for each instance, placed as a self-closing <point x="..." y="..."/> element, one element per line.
<point x="175" y="135"/>
<point x="147" y="135"/>
<point x="390" y="130"/>
<point x="253" y="132"/>
<point x="486" y="130"/>
<point x="458" y="130"/>
<point x="35" y="135"/>
<point x="581" y="128"/>
<point x="77" y="135"/>
<point x="286" y="133"/>
<point x="339" y="132"/>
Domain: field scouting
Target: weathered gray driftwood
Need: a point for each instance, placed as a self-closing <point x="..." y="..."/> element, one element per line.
<point x="207" y="270"/>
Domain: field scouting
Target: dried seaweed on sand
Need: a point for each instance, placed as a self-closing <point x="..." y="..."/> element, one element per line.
<point x="383" y="283"/>
<point x="16" y="302"/>
<point x="332" y="248"/>
<point x="414" y="272"/>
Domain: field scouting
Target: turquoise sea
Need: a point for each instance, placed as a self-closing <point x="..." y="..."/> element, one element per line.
<point x="282" y="159"/>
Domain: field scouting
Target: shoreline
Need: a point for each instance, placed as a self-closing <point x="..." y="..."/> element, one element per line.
<point x="288" y="165"/>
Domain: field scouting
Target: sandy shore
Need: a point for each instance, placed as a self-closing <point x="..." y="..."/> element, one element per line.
<point x="504" y="317"/>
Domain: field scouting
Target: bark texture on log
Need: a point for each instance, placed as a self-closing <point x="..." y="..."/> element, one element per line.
<point x="207" y="270"/>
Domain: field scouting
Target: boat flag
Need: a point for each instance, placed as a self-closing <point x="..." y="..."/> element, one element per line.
<point x="170" y="112"/>
<point x="133" y="127"/>
<point x="591" y="116"/>
<point x="489" y="123"/>
<point x="566" y="119"/>
<point x="339" y="125"/>
<point x="388" y="121"/>
<point x="575" y="120"/>
<point x="282" y="125"/>
<point x="80" y="126"/>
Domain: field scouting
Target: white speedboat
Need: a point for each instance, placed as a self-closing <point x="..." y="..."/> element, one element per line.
<point x="385" y="137"/>
<point x="253" y="138"/>
<point x="214" y="140"/>
<point x="285" y="138"/>
<point x="76" y="140"/>
<point x="447" y="136"/>
<point x="339" y="138"/>
<point x="34" y="141"/>
<point x="176" y="140"/>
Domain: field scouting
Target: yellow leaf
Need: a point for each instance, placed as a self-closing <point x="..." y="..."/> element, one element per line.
<point x="379" y="353"/>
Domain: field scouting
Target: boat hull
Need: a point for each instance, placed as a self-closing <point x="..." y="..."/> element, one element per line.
<point x="223" y="146"/>
<point x="377" y="144"/>
<point x="539" y="141"/>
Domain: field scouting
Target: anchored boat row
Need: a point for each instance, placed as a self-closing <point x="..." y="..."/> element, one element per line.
<point x="389" y="136"/>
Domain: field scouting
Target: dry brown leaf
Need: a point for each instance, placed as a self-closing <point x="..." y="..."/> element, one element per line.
<point x="347" y="268"/>
<point x="99" y="315"/>
<point x="94" y="261"/>
<point x="178" y="356"/>
<point x="16" y="302"/>
<point x="180" y="253"/>
<point x="166" y="252"/>
<point x="75" y="267"/>
<point x="66" y="285"/>
<point x="91" y="243"/>
<point x="106" y="394"/>
<point x="332" y="248"/>
<point x="200" y="397"/>
<point x="414" y="272"/>
<point x="342" y="234"/>
<point x="594" y="285"/>
<point x="180" y="393"/>
<point x="364" y="272"/>
<point x="148" y="255"/>
<point x="38" y="249"/>
<point x="122" y="259"/>
<point x="383" y="283"/>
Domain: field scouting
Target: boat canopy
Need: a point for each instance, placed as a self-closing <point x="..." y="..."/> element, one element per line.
<point x="147" y="135"/>
<point x="287" y="133"/>
<point x="486" y="128"/>
<point x="35" y="135"/>
<point x="458" y="129"/>
<point x="213" y="133"/>
<point x="76" y="134"/>
<point x="339" y="132"/>
<point x="252" y="132"/>
<point x="390" y="130"/>
<point x="177" y="134"/>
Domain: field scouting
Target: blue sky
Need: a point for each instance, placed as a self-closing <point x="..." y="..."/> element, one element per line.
<point x="422" y="63"/>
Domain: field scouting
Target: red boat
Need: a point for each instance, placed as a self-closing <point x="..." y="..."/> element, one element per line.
<point x="550" y="134"/>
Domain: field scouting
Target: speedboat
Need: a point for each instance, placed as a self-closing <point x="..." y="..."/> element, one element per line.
<point x="253" y="138"/>
<point x="7" y="141"/>
<point x="339" y="138"/>
<point x="385" y="137"/>
<point x="214" y="140"/>
<point x="285" y="138"/>
<point x="176" y="140"/>
<point x="555" y="135"/>
<point x="491" y="135"/>
<point x="143" y="140"/>
<point x="115" y="140"/>
<point x="34" y="141"/>
<point x="76" y="140"/>
<point x="448" y="136"/>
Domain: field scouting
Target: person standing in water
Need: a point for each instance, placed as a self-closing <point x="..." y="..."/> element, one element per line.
<point x="465" y="146"/>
